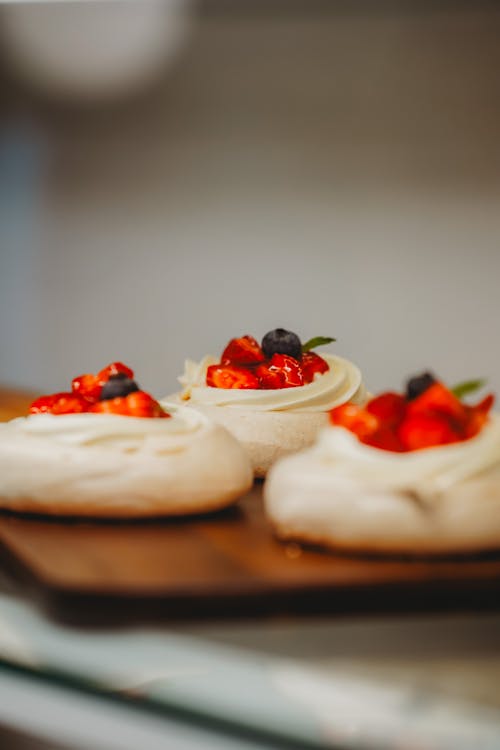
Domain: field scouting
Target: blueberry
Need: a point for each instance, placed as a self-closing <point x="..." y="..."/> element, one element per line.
<point x="419" y="384"/>
<point x="280" y="341"/>
<point x="118" y="386"/>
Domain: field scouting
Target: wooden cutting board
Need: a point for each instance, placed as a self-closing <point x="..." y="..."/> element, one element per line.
<point x="226" y="564"/>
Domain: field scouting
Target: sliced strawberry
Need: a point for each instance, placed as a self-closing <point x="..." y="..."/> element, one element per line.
<point x="356" y="419"/>
<point x="427" y="430"/>
<point x="230" y="376"/>
<point x="87" y="386"/>
<point x="389" y="407"/>
<point x="115" y="368"/>
<point x="311" y="364"/>
<point x="44" y="404"/>
<point x="477" y="416"/>
<point x="486" y="404"/>
<point x="136" y="404"/>
<point x="287" y="369"/>
<point x="141" y="404"/>
<point x="269" y="379"/>
<point x="385" y="438"/>
<point x="438" y="399"/>
<point x="60" y="403"/>
<point x="242" y="351"/>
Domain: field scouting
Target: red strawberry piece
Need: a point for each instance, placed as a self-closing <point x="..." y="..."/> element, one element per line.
<point x="136" y="404"/>
<point x="389" y="407"/>
<point x="141" y="404"/>
<point x="87" y="386"/>
<point x="60" y="403"/>
<point x="230" y="376"/>
<point x="438" y="399"/>
<point x="269" y="379"/>
<point x="427" y="430"/>
<point x="486" y="404"/>
<point x="284" y="370"/>
<point x="385" y="438"/>
<point x="44" y="404"/>
<point x="112" y="406"/>
<point x="242" y="351"/>
<point x="478" y="416"/>
<point x="311" y="364"/>
<point x="356" y="419"/>
<point x="115" y="368"/>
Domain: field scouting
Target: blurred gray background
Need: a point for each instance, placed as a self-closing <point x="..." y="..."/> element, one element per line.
<point x="333" y="168"/>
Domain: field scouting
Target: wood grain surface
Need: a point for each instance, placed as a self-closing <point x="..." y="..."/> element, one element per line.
<point x="225" y="564"/>
<point x="14" y="403"/>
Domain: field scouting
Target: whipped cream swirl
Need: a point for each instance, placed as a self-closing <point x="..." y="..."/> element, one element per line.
<point x="427" y="472"/>
<point x="112" y="429"/>
<point x="341" y="383"/>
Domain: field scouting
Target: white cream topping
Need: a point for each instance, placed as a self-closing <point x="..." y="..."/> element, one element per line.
<point x="427" y="471"/>
<point x="341" y="383"/>
<point x="111" y="429"/>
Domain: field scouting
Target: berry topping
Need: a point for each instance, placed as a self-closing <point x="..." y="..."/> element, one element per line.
<point x="115" y="368"/>
<point x="281" y="372"/>
<point x="417" y="385"/>
<point x="282" y="362"/>
<point x="427" y="430"/>
<point x="281" y="341"/>
<point x="288" y="369"/>
<point x="136" y="404"/>
<point x="88" y="386"/>
<point x="231" y="376"/>
<point x="59" y="403"/>
<point x="438" y="399"/>
<point x="117" y="385"/>
<point x="311" y="364"/>
<point x="396" y="422"/>
<point x="388" y="407"/>
<point x="112" y="391"/>
<point x="242" y="351"/>
<point x="354" y="418"/>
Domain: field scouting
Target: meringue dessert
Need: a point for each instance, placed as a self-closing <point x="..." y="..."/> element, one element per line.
<point x="414" y="474"/>
<point x="108" y="449"/>
<point x="274" y="397"/>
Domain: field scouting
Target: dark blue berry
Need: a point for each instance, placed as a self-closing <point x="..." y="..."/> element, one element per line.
<point x="419" y="384"/>
<point x="280" y="341"/>
<point x="118" y="386"/>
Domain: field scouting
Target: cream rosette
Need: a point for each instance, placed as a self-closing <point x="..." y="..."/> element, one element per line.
<point x="273" y="423"/>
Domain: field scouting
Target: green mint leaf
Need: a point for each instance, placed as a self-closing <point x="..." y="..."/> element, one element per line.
<point x="316" y="341"/>
<point x="468" y="386"/>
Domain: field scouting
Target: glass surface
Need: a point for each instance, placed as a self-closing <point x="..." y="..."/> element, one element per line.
<point x="347" y="683"/>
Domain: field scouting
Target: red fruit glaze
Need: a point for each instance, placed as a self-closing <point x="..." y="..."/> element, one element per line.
<point x="384" y="438"/>
<point x="389" y="407"/>
<point x="268" y="379"/>
<point x="230" y="376"/>
<point x="311" y="364"/>
<point x="87" y="386"/>
<point x="288" y="369"/>
<point x="141" y="404"/>
<point x="434" y="418"/>
<point x="356" y="419"/>
<point x="242" y="351"/>
<point x="477" y="416"/>
<point x="438" y="399"/>
<point x="59" y="403"/>
<point x="85" y="394"/>
<point x="427" y="430"/>
<point x="115" y="368"/>
<point x="137" y="404"/>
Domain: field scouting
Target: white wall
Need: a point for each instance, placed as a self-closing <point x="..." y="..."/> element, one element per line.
<point x="334" y="174"/>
